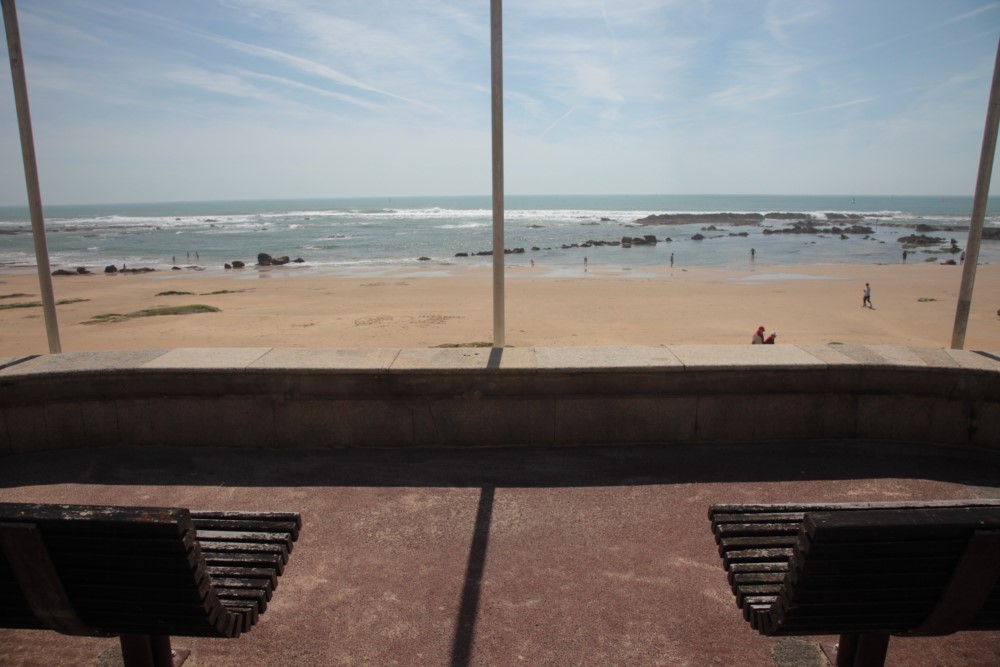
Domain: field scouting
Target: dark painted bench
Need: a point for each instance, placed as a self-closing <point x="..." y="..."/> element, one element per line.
<point x="142" y="573"/>
<point x="863" y="571"/>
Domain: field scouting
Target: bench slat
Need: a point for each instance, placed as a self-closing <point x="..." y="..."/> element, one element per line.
<point x="217" y="559"/>
<point x="209" y="547"/>
<point x="245" y="574"/>
<point x="264" y="522"/>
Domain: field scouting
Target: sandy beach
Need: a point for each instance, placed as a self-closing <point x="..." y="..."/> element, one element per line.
<point x="914" y="304"/>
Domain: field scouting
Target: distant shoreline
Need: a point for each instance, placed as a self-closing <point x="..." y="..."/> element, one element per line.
<point x="439" y="268"/>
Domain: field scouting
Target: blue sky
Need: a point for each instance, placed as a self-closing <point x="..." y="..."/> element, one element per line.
<point x="146" y="100"/>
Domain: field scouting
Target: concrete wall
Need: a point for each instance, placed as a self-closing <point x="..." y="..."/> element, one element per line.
<point x="292" y="397"/>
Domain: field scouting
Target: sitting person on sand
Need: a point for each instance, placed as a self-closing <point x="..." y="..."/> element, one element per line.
<point x="758" y="338"/>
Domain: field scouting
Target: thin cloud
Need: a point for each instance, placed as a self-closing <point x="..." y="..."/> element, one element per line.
<point x="557" y="122"/>
<point x="975" y="12"/>
<point x="782" y="14"/>
<point x="318" y="69"/>
<point x="830" y="107"/>
<point x="298" y="62"/>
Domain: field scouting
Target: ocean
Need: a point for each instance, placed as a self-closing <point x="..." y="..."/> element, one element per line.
<point x="376" y="233"/>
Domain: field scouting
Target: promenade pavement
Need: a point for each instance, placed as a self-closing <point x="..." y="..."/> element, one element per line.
<point x="598" y="555"/>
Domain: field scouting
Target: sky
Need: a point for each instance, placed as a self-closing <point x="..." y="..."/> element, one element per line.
<point x="149" y="101"/>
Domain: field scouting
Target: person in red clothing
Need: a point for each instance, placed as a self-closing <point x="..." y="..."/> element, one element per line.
<point x="758" y="338"/>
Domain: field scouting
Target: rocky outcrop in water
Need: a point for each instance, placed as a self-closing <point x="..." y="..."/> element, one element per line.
<point x="813" y="227"/>
<point x="629" y="241"/>
<point x="920" y="240"/>
<point x="263" y="259"/>
<point x="989" y="233"/>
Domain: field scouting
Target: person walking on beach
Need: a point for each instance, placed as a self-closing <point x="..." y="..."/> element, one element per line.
<point x="867" y="300"/>
<point x="904" y="256"/>
<point x="671" y="260"/>
<point x="753" y="253"/>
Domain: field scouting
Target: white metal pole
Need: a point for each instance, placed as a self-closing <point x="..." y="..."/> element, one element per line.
<point x="31" y="173"/>
<point x="978" y="210"/>
<point x="496" y="43"/>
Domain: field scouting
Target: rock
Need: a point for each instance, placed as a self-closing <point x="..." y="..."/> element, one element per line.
<point x="227" y="266"/>
<point x="812" y="227"/>
<point x="63" y="272"/>
<point x="423" y="259"/>
<point x="263" y="259"/>
<point x="83" y="271"/>
<point x="237" y="264"/>
<point x="650" y="239"/>
<point x="920" y="240"/>
<point x="697" y="237"/>
<point x="298" y="260"/>
<point x="111" y="268"/>
<point x="461" y="254"/>
<point x="175" y="268"/>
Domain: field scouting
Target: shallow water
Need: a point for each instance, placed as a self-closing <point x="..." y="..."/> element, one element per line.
<point x="378" y="233"/>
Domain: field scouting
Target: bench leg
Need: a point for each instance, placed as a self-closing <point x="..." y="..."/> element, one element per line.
<point x="862" y="649"/>
<point x="150" y="651"/>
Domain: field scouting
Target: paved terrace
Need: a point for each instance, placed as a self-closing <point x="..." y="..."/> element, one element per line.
<point x="503" y="555"/>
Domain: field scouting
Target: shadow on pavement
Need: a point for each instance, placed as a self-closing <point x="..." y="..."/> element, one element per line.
<point x="618" y="465"/>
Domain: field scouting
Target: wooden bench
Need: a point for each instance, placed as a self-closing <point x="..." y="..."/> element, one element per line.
<point x="142" y="573"/>
<point x="863" y="571"/>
